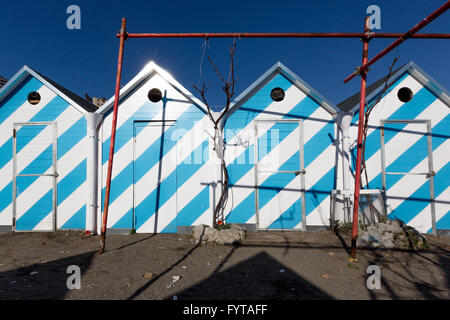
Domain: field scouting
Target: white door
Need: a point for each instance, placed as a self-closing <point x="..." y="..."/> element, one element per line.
<point x="279" y="175"/>
<point x="407" y="172"/>
<point x="34" y="179"/>
<point x="154" y="178"/>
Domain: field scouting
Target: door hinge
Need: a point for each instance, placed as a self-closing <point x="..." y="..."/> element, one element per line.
<point x="14" y="133"/>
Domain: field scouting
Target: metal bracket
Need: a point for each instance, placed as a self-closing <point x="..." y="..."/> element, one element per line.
<point x="430" y="174"/>
<point x="358" y="70"/>
<point x="300" y="172"/>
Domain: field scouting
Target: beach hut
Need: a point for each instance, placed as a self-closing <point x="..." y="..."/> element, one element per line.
<point x="281" y="155"/>
<point x="43" y="158"/>
<point x="163" y="175"/>
<point x="407" y="149"/>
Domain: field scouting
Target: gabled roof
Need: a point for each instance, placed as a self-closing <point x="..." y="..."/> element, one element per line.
<point x="73" y="99"/>
<point x="279" y="68"/>
<point x="148" y="70"/>
<point x="351" y="104"/>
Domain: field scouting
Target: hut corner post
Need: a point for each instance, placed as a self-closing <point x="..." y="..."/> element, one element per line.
<point x="123" y="36"/>
<point x="362" y="102"/>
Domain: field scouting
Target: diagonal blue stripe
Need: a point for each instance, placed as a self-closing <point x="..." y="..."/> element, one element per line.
<point x="36" y="213"/>
<point x="6" y="196"/>
<point x="48" y="113"/>
<point x="244" y="210"/>
<point x="124" y="132"/>
<point x="256" y="104"/>
<point x="318" y="143"/>
<point x="319" y="191"/>
<point x="411" y="157"/>
<point x="409" y="110"/>
<point x="77" y="221"/>
<point x="18" y="97"/>
<point x="71" y="181"/>
<point x="65" y="142"/>
<point x="277" y="181"/>
<point x="290" y="218"/>
<point x="156" y="199"/>
<point x="194" y="209"/>
<point x="418" y="201"/>
<point x="125" y="222"/>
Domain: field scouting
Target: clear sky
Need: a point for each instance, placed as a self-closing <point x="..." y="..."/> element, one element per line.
<point x="85" y="61"/>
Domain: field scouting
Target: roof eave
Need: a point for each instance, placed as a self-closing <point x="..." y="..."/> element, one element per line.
<point x="147" y="71"/>
<point x="279" y="68"/>
<point x="421" y="76"/>
<point x="27" y="71"/>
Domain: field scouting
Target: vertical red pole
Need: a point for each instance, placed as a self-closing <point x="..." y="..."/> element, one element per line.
<point x="362" y="103"/>
<point x="123" y="35"/>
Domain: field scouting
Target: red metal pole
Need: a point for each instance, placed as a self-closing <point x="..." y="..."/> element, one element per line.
<point x="362" y="104"/>
<point x="404" y="37"/>
<point x="123" y="36"/>
<point x="284" y="35"/>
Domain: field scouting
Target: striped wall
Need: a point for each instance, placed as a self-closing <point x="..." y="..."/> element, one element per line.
<point x="408" y="196"/>
<point x="166" y="141"/>
<point x="34" y="148"/>
<point x="278" y="141"/>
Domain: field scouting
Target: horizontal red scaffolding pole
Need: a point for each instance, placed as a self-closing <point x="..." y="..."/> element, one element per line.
<point x="403" y="37"/>
<point x="285" y="35"/>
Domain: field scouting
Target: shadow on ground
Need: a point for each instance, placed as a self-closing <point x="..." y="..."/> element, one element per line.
<point x="242" y="282"/>
<point x="42" y="281"/>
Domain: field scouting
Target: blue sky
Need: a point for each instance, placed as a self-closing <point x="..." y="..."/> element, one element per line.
<point x="84" y="61"/>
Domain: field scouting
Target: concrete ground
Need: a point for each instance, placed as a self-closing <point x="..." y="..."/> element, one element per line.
<point x="267" y="265"/>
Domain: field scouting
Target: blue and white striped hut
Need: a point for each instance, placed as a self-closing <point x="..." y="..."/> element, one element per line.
<point x="408" y="147"/>
<point x="43" y="164"/>
<point x="163" y="169"/>
<point x="280" y="153"/>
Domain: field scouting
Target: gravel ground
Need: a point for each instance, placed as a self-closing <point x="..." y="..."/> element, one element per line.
<point x="267" y="265"/>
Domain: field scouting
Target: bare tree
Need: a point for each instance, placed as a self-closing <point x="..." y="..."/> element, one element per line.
<point x="368" y="110"/>
<point x="228" y="85"/>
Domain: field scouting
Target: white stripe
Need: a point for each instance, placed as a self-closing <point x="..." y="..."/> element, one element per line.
<point x="33" y="150"/>
<point x="275" y="110"/>
<point x="137" y="99"/>
<point x="45" y="224"/>
<point x="408" y="184"/>
<point x="122" y="156"/>
<point x="320" y="216"/>
<point x="24" y="113"/>
<point x="401" y="142"/>
<point x="124" y="202"/>
<point x="387" y="106"/>
<point x="71" y="205"/>
<point x="245" y="186"/>
<point x="422" y="221"/>
<point x="273" y="209"/>
<point x="310" y="128"/>
<point x="35" y="192"/>
<point x="186" y="192"/>
<point x="316" y="170"/>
